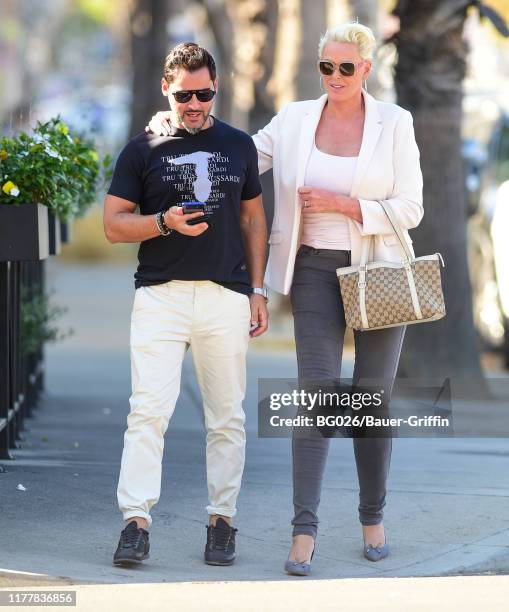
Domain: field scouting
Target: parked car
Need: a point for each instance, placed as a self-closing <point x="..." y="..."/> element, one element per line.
<point x="487" y="185"/>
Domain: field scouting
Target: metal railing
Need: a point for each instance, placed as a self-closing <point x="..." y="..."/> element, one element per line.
<point x="21" y="375"/>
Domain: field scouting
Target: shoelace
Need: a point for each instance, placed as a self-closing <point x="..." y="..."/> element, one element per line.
<point x="220" y="538"/>
<point x="130" y="537"/>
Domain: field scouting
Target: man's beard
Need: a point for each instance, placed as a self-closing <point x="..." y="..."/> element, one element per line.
<point x="195" y="130"/>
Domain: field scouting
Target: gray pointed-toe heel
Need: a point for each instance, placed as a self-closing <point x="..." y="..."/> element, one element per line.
<point x="298" y="568"/>
<point x="376" y="553"/>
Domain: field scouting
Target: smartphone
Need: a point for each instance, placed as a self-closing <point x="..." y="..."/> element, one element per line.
<point x="203" y="219"/>
<point x="193" y="207"/>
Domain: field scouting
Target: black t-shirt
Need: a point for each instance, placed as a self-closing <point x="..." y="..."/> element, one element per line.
<point x="217" y="166"/>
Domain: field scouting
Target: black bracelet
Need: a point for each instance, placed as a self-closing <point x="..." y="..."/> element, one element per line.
<point x="164" y="230"/>
<point x="163" y="223"/>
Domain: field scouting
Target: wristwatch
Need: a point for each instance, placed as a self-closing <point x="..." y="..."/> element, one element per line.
<point x="260" y="291"/>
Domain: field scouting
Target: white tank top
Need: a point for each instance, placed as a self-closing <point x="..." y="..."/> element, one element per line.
<point x="334" y="173"/>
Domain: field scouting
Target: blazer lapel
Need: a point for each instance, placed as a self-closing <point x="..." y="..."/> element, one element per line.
<point x="307" y="137"/>
<point x="370" y="136"/>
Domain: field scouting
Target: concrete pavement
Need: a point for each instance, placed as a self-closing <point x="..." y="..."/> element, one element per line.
<point x="458" y="594"/>
<point x="448" y="502"/>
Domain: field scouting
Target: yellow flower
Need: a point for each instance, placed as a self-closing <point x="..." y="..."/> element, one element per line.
<point x="61" y="127"/>
<point x="3" y="154"/>
<point x="10" y="188"/>
<point x="6" y="188"/>
<point x="77" y="140"/>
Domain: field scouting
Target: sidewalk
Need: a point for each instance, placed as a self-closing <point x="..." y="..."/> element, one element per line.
<point x="447" y="510"/>
<point x="459" y="594"/>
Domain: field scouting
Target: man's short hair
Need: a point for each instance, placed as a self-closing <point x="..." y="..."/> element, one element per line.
<point x="190" y="57"/>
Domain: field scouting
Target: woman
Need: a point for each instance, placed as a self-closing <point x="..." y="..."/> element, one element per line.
<point x="333" y="159"/>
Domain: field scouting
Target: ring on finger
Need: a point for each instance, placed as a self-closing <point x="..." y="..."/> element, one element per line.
<point x="306" y="204"/>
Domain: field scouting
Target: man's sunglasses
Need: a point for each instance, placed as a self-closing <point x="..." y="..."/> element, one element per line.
<point x="327" y="67"/>
<point x="203" y="95"/>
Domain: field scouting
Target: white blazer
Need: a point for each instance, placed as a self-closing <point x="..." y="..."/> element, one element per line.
<point x="387" y="169"/>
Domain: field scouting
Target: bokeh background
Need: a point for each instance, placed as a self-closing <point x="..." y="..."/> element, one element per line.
<point x="98" y="64"/>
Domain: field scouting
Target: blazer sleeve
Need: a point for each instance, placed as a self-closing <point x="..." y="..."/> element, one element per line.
<point x="265" y="141"/>
<point x="406" y="199"/>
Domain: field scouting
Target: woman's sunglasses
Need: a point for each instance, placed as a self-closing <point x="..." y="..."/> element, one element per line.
<point x="327" y="67"/>
<point x="203" y="95"/>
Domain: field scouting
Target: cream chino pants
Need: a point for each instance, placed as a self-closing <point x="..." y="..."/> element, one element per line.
<point x="166" y="320"/>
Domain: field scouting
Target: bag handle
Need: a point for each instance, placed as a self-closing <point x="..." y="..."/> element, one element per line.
<point x="366" y="243"/>
<point x="397" y="229"/>
<point x="366" y="240"/>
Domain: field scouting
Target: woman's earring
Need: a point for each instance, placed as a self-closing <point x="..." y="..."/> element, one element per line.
<point x="321" y="84"/>
<point x="366" y="85"/>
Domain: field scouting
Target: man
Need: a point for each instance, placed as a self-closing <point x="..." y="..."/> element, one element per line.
<point x="198" y="285"/>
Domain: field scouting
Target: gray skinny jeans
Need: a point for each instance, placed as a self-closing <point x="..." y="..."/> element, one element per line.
<point x="319" y="324"/>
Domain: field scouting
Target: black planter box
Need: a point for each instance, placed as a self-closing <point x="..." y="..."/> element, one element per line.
<point x="66" y="231"/>
<point x="23" y="232"/>
<point x="55" y="242"/>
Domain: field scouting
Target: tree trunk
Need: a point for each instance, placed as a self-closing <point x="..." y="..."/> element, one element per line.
<point x="149" y="47"/>
<point x="313" y="16"/>
<point x="245" y="37"/>
<point x="367" y="12"/>
<point x="263" y="107"/>
<point x="428" y="78"/>
<point x="221" y="28"/>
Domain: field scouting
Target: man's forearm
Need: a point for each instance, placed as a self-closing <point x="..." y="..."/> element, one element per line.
<point x="254" y="235"/>
<point x="131" y="227"/>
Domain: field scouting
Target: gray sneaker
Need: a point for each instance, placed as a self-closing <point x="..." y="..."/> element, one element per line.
<point x="133" y="545"/>
<point x="220" y="547"/>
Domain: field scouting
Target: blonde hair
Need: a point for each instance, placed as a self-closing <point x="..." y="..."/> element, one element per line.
<point x="356" y="33"/>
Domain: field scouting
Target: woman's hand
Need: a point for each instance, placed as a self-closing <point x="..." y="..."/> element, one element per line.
<point x="159" y="124"/>
<point x="318" y="200"/>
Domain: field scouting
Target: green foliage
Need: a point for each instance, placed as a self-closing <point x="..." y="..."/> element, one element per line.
<point x="37" y="321"/>
<point x="98" y="10"/>
<point x="52" y="167"/>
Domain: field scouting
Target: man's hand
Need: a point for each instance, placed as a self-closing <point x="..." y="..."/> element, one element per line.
<point x="175" y="219"/>
<point x="159" y="124"/>
<point x="259" y="314"/>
